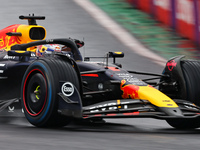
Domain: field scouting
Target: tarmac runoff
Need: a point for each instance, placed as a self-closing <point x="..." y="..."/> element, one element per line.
<point x="122" y="35"/>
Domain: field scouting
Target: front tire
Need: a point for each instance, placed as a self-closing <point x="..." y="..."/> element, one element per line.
<point x="191" y="74"/>
<point x="184" y="123"/>
<point x="40" y="86"/>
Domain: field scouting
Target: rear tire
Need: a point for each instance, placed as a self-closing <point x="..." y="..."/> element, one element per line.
<point x="40" y="86"/>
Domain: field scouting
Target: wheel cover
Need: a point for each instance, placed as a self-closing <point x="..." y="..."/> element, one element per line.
<point x="35" y="94"/>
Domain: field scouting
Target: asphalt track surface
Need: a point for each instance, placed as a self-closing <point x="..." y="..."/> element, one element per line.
<point x="64" y="18"/>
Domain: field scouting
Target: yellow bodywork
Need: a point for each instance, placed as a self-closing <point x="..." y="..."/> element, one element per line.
<point x="25" y="29"/>
<point x="147" y="92"/>
<point x="29" y="33"/>
<point x="20" y="51"/>
<point x="156" y="97"/>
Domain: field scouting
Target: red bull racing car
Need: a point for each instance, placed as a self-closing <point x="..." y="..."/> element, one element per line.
<point x="55" y="85"/>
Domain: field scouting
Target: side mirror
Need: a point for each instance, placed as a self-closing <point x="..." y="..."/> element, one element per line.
<point x="116" y="54"/>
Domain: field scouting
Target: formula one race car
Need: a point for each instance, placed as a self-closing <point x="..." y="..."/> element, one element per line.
<point x="55" y="86"/>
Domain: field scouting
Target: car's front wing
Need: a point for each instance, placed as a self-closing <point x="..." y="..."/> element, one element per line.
<point x="135" y="108"/>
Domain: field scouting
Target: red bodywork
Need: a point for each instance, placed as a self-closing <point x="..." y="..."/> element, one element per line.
<point x="7" y="41"/>
<point x="129" y="90"/>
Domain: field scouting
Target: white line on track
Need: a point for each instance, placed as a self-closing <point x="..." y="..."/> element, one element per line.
<point x="119" y="32"/>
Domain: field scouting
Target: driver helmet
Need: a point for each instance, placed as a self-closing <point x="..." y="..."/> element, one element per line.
<point x="47" y="48"/>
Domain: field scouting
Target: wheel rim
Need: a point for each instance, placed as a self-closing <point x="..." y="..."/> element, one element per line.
<point x="35" y="92"/>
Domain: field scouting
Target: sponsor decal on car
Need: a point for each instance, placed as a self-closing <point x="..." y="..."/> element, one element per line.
<point x="11" y="109"/>
<point x="67" y="89"/>
<point x="130" y="78"/>
<point x="171" y="64"/>
<point x="8" y="57"/>
<point x="100" y="86"/>
<point x="33" y="55"/>
<point x="129" y="90"/>
<point x="109" y="106"/>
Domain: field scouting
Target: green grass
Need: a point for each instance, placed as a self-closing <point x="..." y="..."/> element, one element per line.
<point x="160" y="39"/>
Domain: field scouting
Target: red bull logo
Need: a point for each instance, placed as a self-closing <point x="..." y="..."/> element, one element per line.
<point x="129" y="90"/>
<point x="7" y="41"/>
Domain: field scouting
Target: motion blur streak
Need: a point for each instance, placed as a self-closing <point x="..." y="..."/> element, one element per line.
<point x="120" y="33"/>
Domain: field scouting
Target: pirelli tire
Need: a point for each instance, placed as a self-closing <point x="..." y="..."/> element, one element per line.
<point x="184" y="123"/>
<point x="191" y="73"/>
<point x="40" y="85"/>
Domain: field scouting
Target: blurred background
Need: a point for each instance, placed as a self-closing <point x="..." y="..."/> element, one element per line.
<point x="167" y="27"/>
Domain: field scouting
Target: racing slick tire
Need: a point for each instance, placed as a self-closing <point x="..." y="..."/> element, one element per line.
<point x="191" y="73"/>
<point x="184" y="123"/>
<point x="40" y="85"/>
